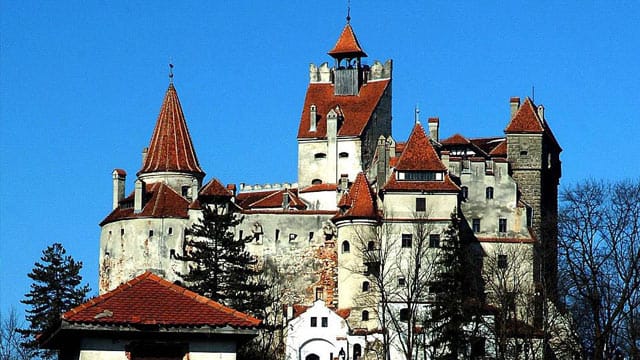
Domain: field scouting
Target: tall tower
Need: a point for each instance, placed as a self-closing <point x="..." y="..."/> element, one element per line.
<point x="534" y="155"/>
<point x="145" y="229"/>
<point x="347" y="107"/>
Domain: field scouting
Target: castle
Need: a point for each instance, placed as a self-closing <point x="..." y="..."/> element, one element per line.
<point x="359" y="189"/>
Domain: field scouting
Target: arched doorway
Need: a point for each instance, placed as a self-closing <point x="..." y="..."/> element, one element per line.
<point x="312" y="357"/>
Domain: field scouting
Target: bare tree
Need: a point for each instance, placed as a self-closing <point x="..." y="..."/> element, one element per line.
<point x="599" y="243"/>
<point x="11" y="339"/>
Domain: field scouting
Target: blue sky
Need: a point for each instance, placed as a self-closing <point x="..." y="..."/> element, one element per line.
<point x="81" y="84"/>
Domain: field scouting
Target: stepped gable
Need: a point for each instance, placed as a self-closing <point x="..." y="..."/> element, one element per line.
<point x="359" y="202"/>
<point x="171" y="148"/>
<point x="356" y="110"/>
<point x="347" y="45"/>
<point x="160" y="201"/>
<point x="419" y="154"/>
<point x="150" y="300"/>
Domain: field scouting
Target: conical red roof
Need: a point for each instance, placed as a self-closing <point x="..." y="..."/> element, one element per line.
<point x="419" y="154"/>
<point x="171" y="148"/>
<point x="359" y="201"/>
<point x="526" y="119"/>
<point x="347" y="45"/>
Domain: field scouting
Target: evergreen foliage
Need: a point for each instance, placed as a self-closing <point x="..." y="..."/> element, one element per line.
<point x="56" y="288"/>
<point x="219" y="266"/>
<point x="455" y="312"/>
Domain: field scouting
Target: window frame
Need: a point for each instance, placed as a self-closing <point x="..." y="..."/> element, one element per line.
<point x="421" y="204"/>
<point x="407" y="241"/>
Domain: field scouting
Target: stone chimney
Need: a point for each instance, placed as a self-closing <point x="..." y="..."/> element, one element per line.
<point x="515" y="105"/>
<point x="541" y="113"/>
<point x="145" y="150"/>
<point x="344" y="182"/>
<point x="138" y="197"/>
<point x="313" y="118"/>
<point x="285" y="200"/>
<point x="434" y="128"/>
<point x="119" y="176"/>
<point x="194" y="189"/>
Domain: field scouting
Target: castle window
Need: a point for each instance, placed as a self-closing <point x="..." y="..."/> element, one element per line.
<point x="404" y="314"/>
<point x="524" y="153"/>
<point x="529" y="216"/>
<point x="406" y="240"/>
<point x="365" y="315"/>
<point x="365" y="286"/>
<point x="314" y="321"/>
<point x="464" y="192"/>
<point x="502" y="261"/>
<point x="239" y="234"/>
<point x="346" y="247"/>
<point x="292" y="237"/>
<point x="421" y="204"/>
<point x="185" y="190"/>
<point x="320" y="156"/>
<point x="319" y="293"/>
<point x="402" y="281"/>
<point x="150" y="233"/>
<point x="475" y="225"/>
<point x="316" y="182"/>
<point x="121" y="231"/>
<point x="343" y="155"/>
<point x="172" y="254"/>
<point x="502" y="225"/>
<point x="325" y="321"/>
<point x="434" y="240"/>
<point x="277" y="234"/>
<point x="371" y="246"/>
<point x="489" y="192"/>
<point x="421" y="175"/>
<point x="310" y="236"/>
<point x="170" y="232"/>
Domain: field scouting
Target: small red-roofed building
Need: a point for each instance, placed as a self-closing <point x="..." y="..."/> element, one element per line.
<point x="149" y="317"/>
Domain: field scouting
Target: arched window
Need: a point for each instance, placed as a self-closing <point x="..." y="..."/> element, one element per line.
<point x="489" y="192"/>
<point x="316" y="182"/>
<point x="365" y="286"/>
<point x="345" y="247"/>
<point x="343" y="155"/>
<point x="320" y="155"/>
<point x="357" y="351"/>
<point x="365" y="315"/>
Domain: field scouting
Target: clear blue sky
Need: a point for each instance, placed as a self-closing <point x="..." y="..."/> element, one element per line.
<point x="82" y="83"/>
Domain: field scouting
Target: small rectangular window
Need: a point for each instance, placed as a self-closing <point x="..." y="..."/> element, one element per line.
<point x="277" y="234"/>
<point x="402" y="281"/>
<point x="476" y="225"/>
<point x="314" y="321"/>
<point x="121" y="232"/>
<point x="150" y="233"/>
<point x="325" y="322"/>
<point x="319" y="293"/>
<point x="434" y="240"/>
<point x="502" y="225"/>
<point x="421" y="204"/>
<point x="406" y="240"/>
<point x="310" y="236"/>
<point x="502" y="261"/>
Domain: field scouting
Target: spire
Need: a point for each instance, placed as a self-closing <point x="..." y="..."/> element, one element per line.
<point x="419" y="154"/>
<point x="347" y="45"/>
<point x="359" y="201"/>
<point x="171" y="148"/>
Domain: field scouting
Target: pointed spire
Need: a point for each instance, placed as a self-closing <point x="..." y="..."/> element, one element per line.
<point x="359" y="202"/>
<point x="347" y="45"/>
<point x="171" y="148"/>
<point x="525" y="120"/>
<point x="419" y="154"/>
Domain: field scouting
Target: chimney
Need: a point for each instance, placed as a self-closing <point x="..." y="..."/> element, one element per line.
<point x="119" y="176"/>
<point x="232" y="188"/>
<point x="285" y="200"/>
<point x="515" y="105"/>
<point x="138" y="202"/>
<point x="434" y="128"/>
<point x="145" y="150"/>
<point x="194" y="189"/>
<point x="344" y="182"/>
<point x="313" y="118"/>
<point x="541" y="113"/>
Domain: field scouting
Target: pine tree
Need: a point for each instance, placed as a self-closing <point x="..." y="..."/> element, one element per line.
<point x="456" y="309"/>
<point x="219" y="266"/>
<point x="56" y="288"/>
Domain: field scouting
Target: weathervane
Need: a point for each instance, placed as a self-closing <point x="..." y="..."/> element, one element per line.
<point x="417" y="115"/>
<point x="170" y="71"/>
<point x="348" y="11"/>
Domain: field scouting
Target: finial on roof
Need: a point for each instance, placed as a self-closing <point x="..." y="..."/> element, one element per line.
<point x="348" y="11"/>
<point x="417" y="115"/>
<point x="533" y="93"/>
<point x="170" y="71"/>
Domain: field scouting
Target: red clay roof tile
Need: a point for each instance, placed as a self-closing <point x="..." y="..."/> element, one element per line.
<point x="160" y="201"/>
<point x="359" y="201"/>
<point x="430" y="186"/>
<point x="419" y="154"/>
<point x="347" y="45"/>
<point x="525" y="120"/>
<point x="456" y="139"/>
<point x="171" y="148"/>
<point x="357" y="110"/>
<point x="319" y="187"/>
<point x="215" y="188"/>
<point x="149" y="299"/>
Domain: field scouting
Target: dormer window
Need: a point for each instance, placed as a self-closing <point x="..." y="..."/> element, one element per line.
<point x="421" y="175"/>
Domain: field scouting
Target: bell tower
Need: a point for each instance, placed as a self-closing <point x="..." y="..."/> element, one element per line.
<point x="348" y="74"/>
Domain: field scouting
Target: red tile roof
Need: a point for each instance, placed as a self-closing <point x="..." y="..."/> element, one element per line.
<point x="171" y="148"/>
<point x="347" y="45"/>
<point x="419" y="154"/>
<point x="160" y="201"/>
<point x="357" y="110"/>
<point x="456" y="139"/>
<point x="319" y="187"/>
<point x="269" y="199"/>
<point x="525" y="120"/>
<point x="150" y="300"/>
<point x="500" y="150"/>
<point x="359" y="201"/>
<point x="215" y="188"/>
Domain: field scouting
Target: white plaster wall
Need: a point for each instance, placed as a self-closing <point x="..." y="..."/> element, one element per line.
<point x="174" y="180"/>
<point x="310" y="168"/>
<point x="321" y="200"/>
<point x="114" y="349"/>
<point x="134" y="252"/>
<point x="402" y="205"/>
